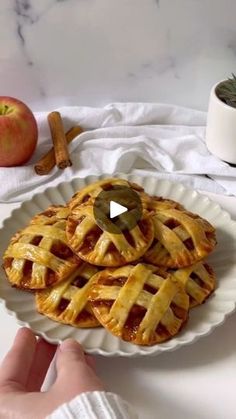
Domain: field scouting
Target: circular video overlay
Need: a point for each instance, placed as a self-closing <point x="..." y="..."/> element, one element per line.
<point x="118" y="209"/>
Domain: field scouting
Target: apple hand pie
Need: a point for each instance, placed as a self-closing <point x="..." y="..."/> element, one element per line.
<point x="100" y="247"/>
<point x="158" y="203"/>
<point x="198" y="280"/>
<point x="67" y="302"/>
<point x="94" y="189"/>
<point x="180" y="239"/>
<point x="51" y="215"/>
<point x="139" y="305"/>
<point x="39" y="256"/>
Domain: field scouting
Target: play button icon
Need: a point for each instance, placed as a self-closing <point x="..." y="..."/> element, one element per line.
<point x="117" y="209"/>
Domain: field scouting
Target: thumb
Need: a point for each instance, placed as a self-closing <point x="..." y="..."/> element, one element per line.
<point x="74" y="375"/>
<point x="70" y="355"/>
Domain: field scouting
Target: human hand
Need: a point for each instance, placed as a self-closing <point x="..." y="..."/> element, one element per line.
<point x="23" y="371"/>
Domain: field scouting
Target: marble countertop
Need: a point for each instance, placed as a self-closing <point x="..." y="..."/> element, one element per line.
<point x="93" y="52"/>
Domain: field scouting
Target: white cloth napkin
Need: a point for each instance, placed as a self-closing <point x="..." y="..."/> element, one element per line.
<point x="150" y="139"/>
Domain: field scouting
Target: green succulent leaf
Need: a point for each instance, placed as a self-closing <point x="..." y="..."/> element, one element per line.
<point x="226" y="91"/>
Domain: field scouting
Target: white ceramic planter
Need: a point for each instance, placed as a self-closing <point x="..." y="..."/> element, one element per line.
<point x="221" y="128"/>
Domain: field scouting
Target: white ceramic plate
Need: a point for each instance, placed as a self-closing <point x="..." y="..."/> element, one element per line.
<point x="202" y="320"/>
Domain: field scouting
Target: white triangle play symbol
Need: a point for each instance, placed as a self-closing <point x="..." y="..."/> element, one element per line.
<point x="116" y="209"/>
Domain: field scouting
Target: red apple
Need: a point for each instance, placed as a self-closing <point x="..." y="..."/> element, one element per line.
<point x="18" y="132"/>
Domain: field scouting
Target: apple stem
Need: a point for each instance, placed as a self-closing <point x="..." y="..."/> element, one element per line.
<point x="5" y="110"/>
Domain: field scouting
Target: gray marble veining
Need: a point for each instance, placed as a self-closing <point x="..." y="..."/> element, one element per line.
<point x="91" y="52"/>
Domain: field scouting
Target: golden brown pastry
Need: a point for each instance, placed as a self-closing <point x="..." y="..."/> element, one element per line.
<point x="67" y="302"/>
<point x="94" y="189"/>
<point x="51" y="215"/>
<point x="39" y="256"/>
<point x="180" y="239"/>
<point x="97" y="246"/>
<point x="198" y="280"/>
<point x="158" y="203"/>
<point x="139" y="304"/>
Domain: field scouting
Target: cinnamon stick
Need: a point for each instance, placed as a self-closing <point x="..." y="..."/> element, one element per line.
<point x="48" y="161"/>
<point x="59" y="140"/>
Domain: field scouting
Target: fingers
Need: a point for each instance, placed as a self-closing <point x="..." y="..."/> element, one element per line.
<point x="15" y="367"/>
<point x="70" y="354"/>
<point x="74" y="375"/>
<point x="44" y="354"/>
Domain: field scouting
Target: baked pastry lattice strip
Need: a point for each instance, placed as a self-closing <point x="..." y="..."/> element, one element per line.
<point x="135" y="312"/>
<point x="67" y="302"/>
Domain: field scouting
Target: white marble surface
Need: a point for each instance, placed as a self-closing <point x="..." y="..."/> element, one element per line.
<point x="92" y="52"/>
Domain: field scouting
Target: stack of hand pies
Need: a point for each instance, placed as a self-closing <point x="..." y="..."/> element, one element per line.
<point x="139" y="284"/>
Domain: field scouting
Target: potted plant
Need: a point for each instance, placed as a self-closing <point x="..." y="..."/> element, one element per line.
<point x="226" y="91"/>
<point x="221" y="120"/>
